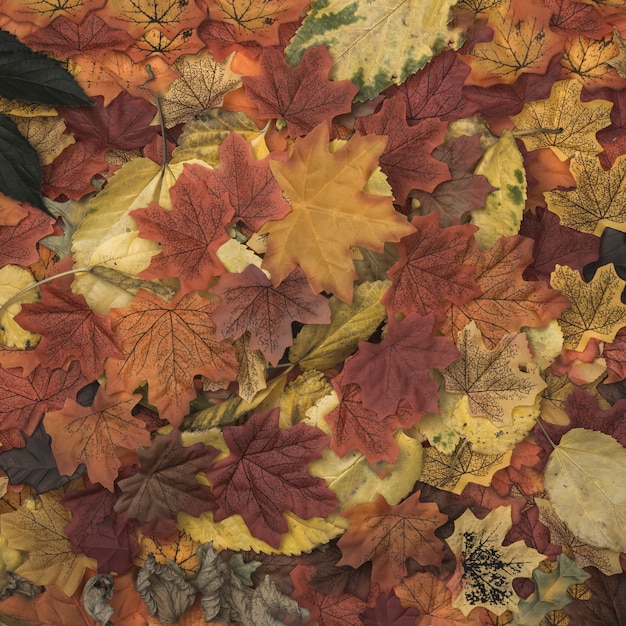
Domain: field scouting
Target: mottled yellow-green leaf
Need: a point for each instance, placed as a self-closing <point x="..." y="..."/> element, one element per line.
<point x="10" y="560"/>
<point x="596" y="310"/>
<point x="501" y="216"/>
<point x="375" y="44"/>
<point x="201" y="138"/>
<point x="14" y="279"/>
<point x="584" y="479"/>
<point x="301" y="395"/>
<point x="354" y="481"/>
<point x="488" y="568"/>
<point x="233" y="534"/>
<point x="545" y="343"/>
<point x="322" y="346"/>
<point x="598" y="200"/>
<point x="579" y="121"/>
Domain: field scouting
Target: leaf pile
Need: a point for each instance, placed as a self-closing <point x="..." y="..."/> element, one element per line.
<point x="312" y="312"/>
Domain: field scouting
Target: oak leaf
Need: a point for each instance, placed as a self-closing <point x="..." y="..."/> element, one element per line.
<point x="406" y="159"/>
<point x="38" y="527"/>
<point x="169" y="344"/>
<point x="428" y="271"/>
<point x="71" y="330"/>
<point x="596" y="311"/>
<point x="375" y="46"/>
<point x="507" y="302"/>
<point x="564" y="110"/>
<point x="166" y="484"/>
<point x="389" y="535"/>
<point x="485" y="567"/>
<point x="260" y="480"/>
<point x="25" y="397"/>
<point x="250" y="303"/>
<point x="598" y="198"/>
<point x="189" y="234"/>
<point x="495" y="381"/>
<point x="202" y="85"/>
<point x="331" y="211"/>
<point x="92" y="434"/>
<point x="397" y="367"/>
<point x="302" y="96"/>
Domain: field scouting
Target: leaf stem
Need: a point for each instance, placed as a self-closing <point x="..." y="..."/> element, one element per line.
<point x="534" y="131"/>
<point x="157" y="101"/>
<point x="545" y="433"/>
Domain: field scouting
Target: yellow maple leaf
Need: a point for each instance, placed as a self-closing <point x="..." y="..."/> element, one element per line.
<point x="597" y="309"/>
<point x="202" y="84"/>
<point x="14" y="279"/>
<point x="589" y="61"/>
<point x="46" y="134"/>
<point x="495" y="381"/>
<point x="618" y="62"/>
<point x="330" y="212"/>
<point x="578" y="121"/>
<point x="486" y="568"/>
<point x="598" y="200"/>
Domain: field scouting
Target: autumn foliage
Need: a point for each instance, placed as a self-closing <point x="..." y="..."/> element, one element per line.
<point x="313" y="313"/>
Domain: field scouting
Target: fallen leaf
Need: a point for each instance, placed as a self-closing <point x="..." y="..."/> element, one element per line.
<point x="357" y="216"/>
<point x="18" y="242"/>
<point x="16" y="280"/>
<point x="389" y="611"/>
<point x="46" y="134"/>
<point x="589" y="61"/>
<point x="606" y="602"/>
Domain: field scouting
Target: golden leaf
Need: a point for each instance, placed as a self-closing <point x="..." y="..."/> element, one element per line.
<point x="14" y="279"/>
<point x="45" y="134"/>
<point x="301" y="395"/>
<point x="589" y="61"/>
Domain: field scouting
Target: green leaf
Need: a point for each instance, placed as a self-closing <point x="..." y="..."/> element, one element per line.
<point x="34" y="77"/>
<point x="20" y="173"/>
<point x="375" y="44"/>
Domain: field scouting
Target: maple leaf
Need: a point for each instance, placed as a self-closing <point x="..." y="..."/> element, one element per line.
<point x="573" y="18"/>
<point x="597" y="200"/>
<point x="92" y="434"/>
<point x="406" y="159"/>
<point x="202" y="85"/>
<point x="302" y="96"/>
<point x="18" y="242"/>
<point x="522" y="42"/>
<point x="495" y="381"/>
<point x="250" y="303"/>
<point x="588" y="60"/>
<point x="246" y="184"/>
<point x="154" y="42"/>
<point x="168" y="344"/>
<point x="606" y="604"/>
<point x="381" y="369"/>
<point x="71" y="330"/>
<point x="44" y="133"/>
<point x="189" y="234"/>
<point x="555" y="245"/>
<point x="65" y="37"/>
<point x="486" y="567"/>
<point x="42" y="12"/>
<point x="389" y="535"/>
<point x="331" y="211"/>
<point x="578" y="120"/>
<point x="596" y="310"/>
<point x="166" y="484"/>
<point x="260" y="480"/>
<point x="257" y="21"/>
<point x="25" y="397"/>
<point x="428" y="271"/>
<point x="389" y="611"/>
<point x="38" y="528"/>
<point x="507" y="302"/>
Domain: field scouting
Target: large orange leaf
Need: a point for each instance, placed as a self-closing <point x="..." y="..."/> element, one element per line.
<point x="168" y="344"/>
<point x="91" y="434"/>
<point x="331" y="211"/>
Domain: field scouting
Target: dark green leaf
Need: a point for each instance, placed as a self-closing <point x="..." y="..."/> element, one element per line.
<point x="20" y="172"/>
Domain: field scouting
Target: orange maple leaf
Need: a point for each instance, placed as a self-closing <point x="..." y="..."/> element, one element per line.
<point x="330" y="212"/>
<point x="168" y="344"/>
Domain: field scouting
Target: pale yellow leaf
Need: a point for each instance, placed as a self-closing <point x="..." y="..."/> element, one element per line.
<point x="14" y="279"/>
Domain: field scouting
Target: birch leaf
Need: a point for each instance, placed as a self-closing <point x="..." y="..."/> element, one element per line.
<point x="584" y="480"/>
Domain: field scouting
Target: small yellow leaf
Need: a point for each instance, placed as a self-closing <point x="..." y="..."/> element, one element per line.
<point x="10" y="560"/>
<point x="45" y="134"/>
<point x="301" y="395"/>
<point x="13" y="279"/>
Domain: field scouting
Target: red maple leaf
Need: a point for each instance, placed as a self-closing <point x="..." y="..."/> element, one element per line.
<point x="69" y="328"/>
<point x="397" y="367"/>
<point x="190" y="233"/>
<point x="390" y="612"/>
<point x="430" y="271"/>
<point x="247" y="184"/>
<point x="220" y="38"/>
<point x="65" y="37"/>
<point x="435" y="90"/>
<point x="265" y="475"/>
<point x="92" y="434"/>
<point x="251" y="303"/>
<point x="166" y="484"/>
<point x="615" y="355"/>
<point x="25" y="398"/>
<point x="302" y="96"/>
<point x="574" y="18"/>
<point x="18" y="243"/>
<point x="389" y="535"/>
<point x="406" y="159"/>
<point x="124" y="124"/>
<point x="168" y="344"/>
